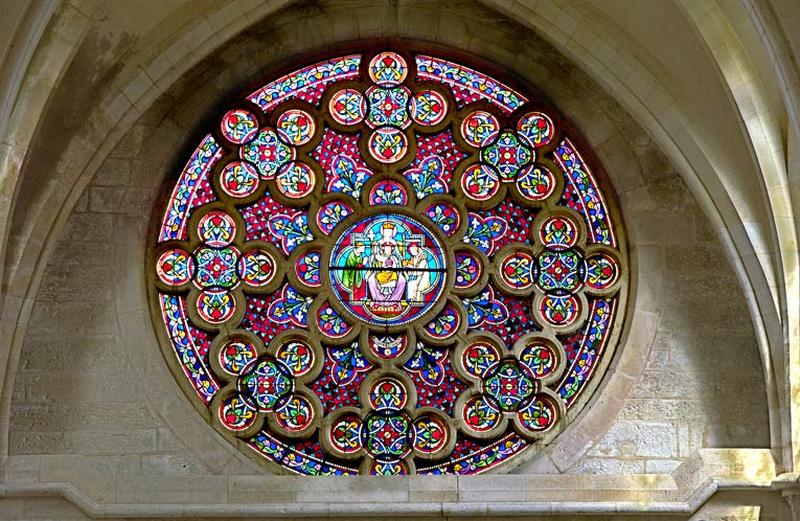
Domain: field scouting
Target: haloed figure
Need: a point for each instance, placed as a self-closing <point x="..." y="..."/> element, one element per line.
<point x="419" y="278"/>
<point x="386" y="283"/>
<point x="353" y="276"/>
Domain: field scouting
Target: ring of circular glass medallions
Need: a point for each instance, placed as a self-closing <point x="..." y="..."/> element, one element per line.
<point x="264" y="389"/>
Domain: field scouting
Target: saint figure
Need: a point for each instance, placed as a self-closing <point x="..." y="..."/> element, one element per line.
<point x="419" y="278"/>
<point x="353" y="276"/>
<point x="386" y="285"/>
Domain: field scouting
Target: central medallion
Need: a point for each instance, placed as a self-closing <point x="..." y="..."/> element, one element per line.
<point x="387" y="269"/>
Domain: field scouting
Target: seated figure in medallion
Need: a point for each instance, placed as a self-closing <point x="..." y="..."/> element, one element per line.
<point x="386" y="285"/>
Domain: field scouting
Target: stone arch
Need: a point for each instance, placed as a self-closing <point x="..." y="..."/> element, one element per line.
<point x="612" y="152"/>
<point x="130" y="108"/>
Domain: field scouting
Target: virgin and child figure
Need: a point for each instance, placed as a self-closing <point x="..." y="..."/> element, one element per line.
<point x="386" y="282"/>
<point x="385" y="276"/>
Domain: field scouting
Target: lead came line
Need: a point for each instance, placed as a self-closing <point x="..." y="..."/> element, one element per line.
<point x="388" y="268"/>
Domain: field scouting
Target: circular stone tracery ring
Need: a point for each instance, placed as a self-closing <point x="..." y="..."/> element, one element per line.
<point x="389" y="263"/>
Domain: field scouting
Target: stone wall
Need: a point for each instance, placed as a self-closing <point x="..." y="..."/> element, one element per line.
<point x="79" y="389"/>
<point x="95" y="406"/>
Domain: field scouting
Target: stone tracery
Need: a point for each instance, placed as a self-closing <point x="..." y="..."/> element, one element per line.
<point x="442" y="254"/>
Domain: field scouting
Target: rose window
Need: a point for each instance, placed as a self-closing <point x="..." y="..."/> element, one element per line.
<point x="389" y="264"/>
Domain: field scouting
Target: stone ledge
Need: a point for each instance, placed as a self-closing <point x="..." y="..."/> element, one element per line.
<point x="90" y="488"/>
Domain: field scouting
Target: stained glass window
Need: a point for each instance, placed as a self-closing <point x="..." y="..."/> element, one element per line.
<point x="388" y="264"/>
